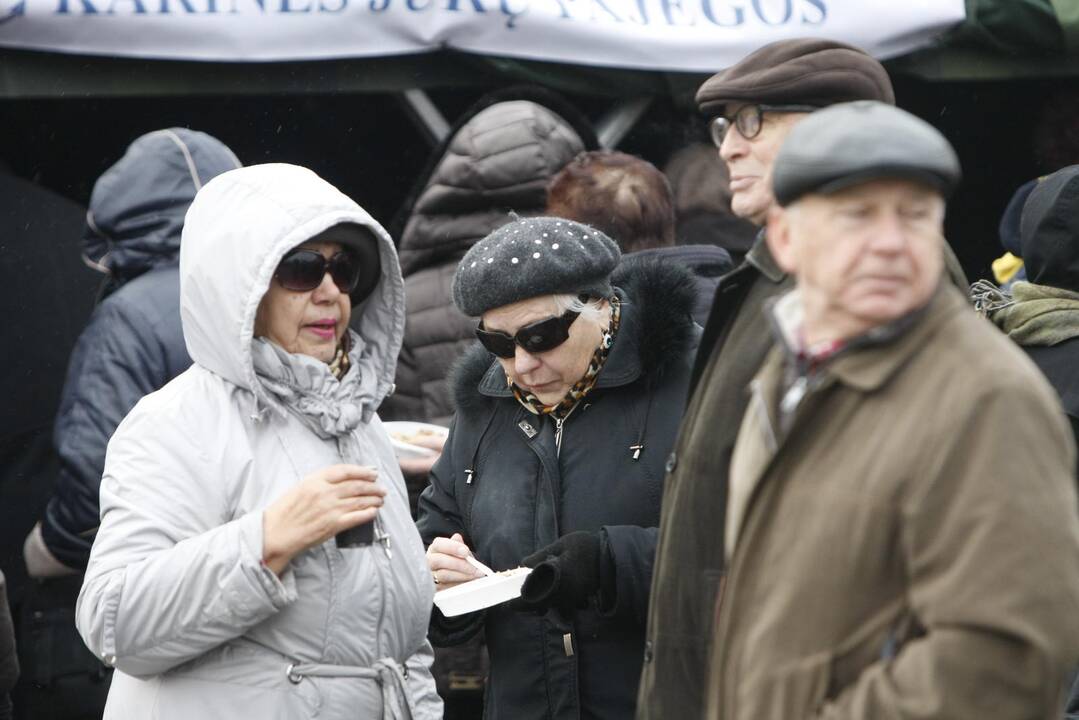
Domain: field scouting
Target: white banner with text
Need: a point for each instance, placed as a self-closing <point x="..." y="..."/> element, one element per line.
<point x="673" y="35"/>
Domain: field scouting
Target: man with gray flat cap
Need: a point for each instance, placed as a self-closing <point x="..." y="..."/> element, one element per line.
<point x="897" y="545"/>
<point x="754" y="104"/>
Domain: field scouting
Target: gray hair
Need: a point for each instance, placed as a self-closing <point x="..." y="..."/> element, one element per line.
<point x="591" y="310"/>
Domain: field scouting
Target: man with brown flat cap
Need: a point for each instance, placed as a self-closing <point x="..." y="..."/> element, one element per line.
<point x="754" y="105"/>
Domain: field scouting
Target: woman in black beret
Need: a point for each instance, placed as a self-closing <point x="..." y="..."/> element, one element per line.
<point x="566" y="411"/>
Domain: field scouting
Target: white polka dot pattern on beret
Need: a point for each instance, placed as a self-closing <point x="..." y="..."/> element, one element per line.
<point x="580" y="260"/>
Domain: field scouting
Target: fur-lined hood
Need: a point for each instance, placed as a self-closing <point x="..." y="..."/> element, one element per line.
<point x="657" y="330"/>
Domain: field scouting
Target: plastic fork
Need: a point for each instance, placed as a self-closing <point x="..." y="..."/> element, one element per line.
<point x="479" y="566"/>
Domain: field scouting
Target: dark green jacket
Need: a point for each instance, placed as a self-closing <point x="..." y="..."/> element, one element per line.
<point x="689" y="559"/>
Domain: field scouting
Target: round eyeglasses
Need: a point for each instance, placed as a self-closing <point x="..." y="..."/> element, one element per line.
<point x="749" y="120"/>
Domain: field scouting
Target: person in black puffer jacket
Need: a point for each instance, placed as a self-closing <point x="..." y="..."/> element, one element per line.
<point x="132" y="345"/>
<point x="555" y="460"/>
<point x="497" y="159"/>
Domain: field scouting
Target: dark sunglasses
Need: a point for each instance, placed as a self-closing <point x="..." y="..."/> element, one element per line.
<point x="536" y="338"/>
<point x="302" y="270"/>
<point x="749" y="119"/>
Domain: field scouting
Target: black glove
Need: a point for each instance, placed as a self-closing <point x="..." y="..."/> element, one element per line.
<point x="565" y="574"/>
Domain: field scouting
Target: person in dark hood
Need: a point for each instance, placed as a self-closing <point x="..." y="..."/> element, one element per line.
<point x="630" y="200"/>
<point x="565" y="413"/>
<point x="1008" y="268"/>
<point x="1041" y="313"/>
<point x="133" y="343"/>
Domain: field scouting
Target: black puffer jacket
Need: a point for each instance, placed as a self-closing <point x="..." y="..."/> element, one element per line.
<point x="499" y="160"/>
<point x="134" y="342"/>
<point x="501" y="483"/>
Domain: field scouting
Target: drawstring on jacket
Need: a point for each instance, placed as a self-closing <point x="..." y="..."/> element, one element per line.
<point x="388" y="674"/>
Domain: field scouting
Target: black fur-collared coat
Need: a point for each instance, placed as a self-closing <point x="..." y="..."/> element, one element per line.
<point x="501" y="483"/>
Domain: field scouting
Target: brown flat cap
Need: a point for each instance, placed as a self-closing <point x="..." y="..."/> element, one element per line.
<point x="804" y="71"/>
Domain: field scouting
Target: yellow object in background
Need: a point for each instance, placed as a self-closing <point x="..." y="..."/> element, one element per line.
<point x="1006" y="266"/>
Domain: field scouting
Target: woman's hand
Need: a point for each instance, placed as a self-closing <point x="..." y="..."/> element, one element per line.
<point x="325" y="502"/>
<point x="446" y="561"/>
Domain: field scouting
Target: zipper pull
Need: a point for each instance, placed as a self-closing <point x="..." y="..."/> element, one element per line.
<point x="558" y="433"/>
<point x="469" y="473"/>
<point x="636" y="451"/>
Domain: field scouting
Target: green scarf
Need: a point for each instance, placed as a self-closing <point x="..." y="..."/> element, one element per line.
<point x="1031" y="314"/>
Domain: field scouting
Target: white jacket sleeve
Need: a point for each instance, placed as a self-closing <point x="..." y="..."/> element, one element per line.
<point x="172" y="574"/>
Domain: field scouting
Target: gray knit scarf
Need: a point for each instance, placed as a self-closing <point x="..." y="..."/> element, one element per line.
<point x="304" y="386"/>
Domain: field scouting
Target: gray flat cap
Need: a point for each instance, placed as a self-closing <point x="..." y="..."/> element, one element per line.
<point x="532" y="257"/>
<point x="852" y="143"/>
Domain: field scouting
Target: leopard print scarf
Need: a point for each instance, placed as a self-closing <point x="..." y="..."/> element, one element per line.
<point x="582" y="387"/>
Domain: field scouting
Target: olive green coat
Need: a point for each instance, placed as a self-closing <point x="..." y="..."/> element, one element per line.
<point x="689" y="559"/>
<point x="910" y="546"/>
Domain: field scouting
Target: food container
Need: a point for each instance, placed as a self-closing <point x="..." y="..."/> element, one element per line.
<point x="401" y="432"/>
<point x="482" y="593"/>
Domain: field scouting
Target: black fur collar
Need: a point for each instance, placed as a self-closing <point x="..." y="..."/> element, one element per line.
<point x="661" y="295"/>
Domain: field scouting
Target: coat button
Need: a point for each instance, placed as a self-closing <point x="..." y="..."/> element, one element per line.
<point x="648" y="653"/>
<point x="672" y="462"/>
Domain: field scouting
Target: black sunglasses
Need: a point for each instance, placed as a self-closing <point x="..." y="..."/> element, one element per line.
<point x="536" y="338"/>
<point x="302" y="270"/>
<point x="749" y="119"/>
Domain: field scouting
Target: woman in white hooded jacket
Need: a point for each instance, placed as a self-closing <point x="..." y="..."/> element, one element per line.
<point x="216" y="586"/>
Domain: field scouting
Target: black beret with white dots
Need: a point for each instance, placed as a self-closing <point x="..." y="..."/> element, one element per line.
<point x="533" y="257"/>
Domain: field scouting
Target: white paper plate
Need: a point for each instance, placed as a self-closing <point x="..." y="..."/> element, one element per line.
<point x="481" y="593"/>
<point x="401" y="430"/>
